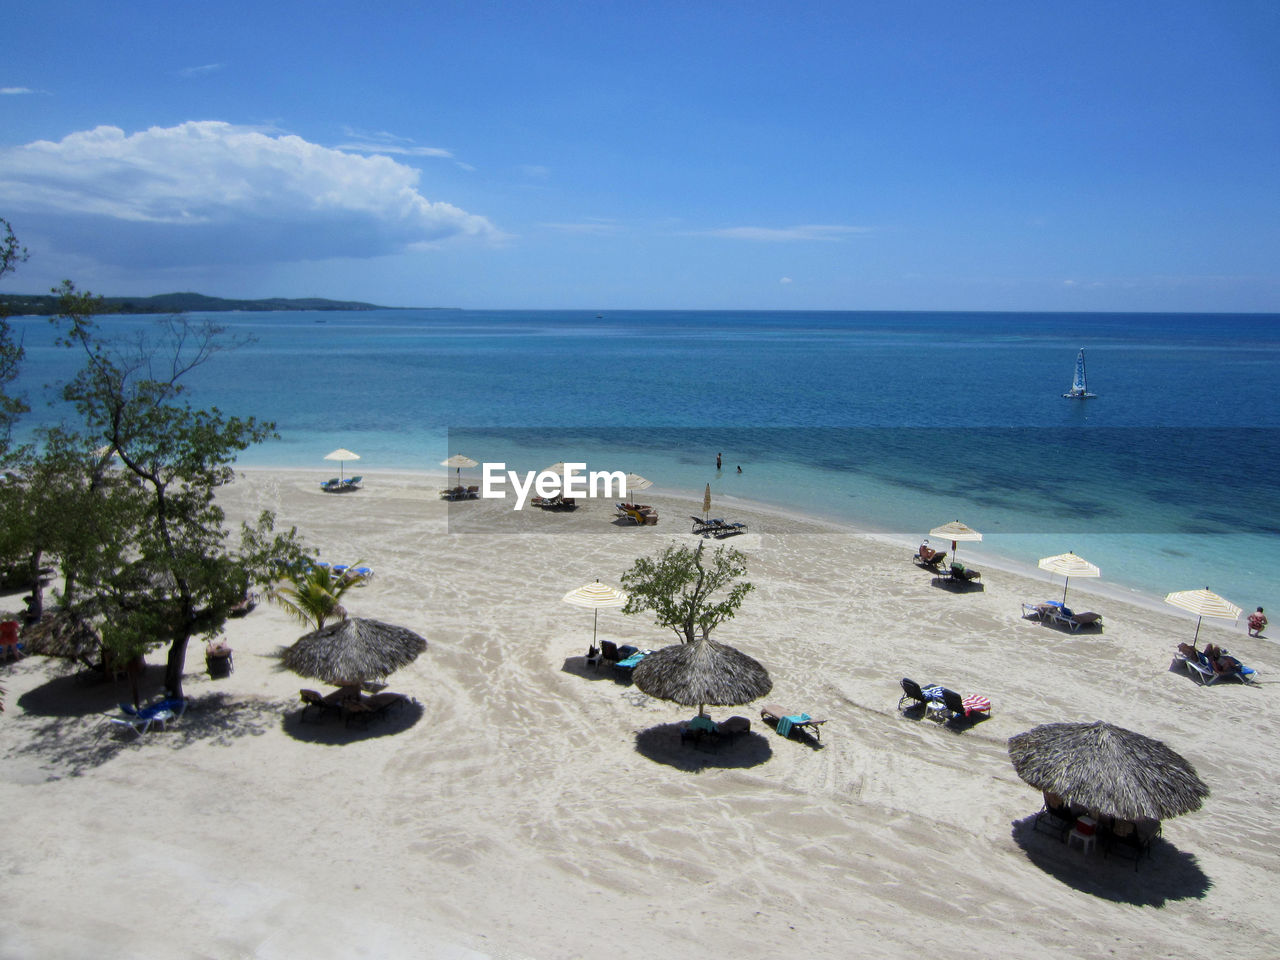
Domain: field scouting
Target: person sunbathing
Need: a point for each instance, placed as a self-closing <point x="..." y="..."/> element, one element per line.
<point x="926" y="552"/>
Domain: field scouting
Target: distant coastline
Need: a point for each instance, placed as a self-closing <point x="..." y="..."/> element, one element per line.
<point x="45" y="305"/>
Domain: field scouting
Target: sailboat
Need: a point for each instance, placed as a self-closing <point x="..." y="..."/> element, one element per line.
<point x="1079" y="389"/>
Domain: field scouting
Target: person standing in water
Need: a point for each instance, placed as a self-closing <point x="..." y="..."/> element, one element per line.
<point x="717" y="462"/>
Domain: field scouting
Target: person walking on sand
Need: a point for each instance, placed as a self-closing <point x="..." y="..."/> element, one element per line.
<point x="1257" y="622"/>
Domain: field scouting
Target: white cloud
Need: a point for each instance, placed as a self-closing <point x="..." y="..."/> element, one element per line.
<point x="190" y="73"/>
<point x="786" y="234"/>
<point x="14" y="91"/>
<point x="786" y="280"/>
<point x="211" y="192"/>
<point x="395" y="148"/>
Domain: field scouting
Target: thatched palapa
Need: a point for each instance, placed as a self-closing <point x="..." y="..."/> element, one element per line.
<point x="353" y="651"/>
<point x="702" y="672"/>
<point x="1109" y="769"/>
<point x="64" y="634"/>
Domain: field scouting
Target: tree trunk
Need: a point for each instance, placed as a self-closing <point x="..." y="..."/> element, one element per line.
<point x="35" y="602"/>
<point x="176" y="664"/>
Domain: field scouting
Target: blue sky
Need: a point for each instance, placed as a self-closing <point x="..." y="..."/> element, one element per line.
<point x="784" y="155"/>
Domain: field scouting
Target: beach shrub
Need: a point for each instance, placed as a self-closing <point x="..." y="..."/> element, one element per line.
<point x="677" y="586"/>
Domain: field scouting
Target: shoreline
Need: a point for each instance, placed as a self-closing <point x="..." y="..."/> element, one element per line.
<point x="820" y="523"/>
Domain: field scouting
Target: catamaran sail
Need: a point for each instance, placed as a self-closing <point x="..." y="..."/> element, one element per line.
<point x="1079" y="389"/>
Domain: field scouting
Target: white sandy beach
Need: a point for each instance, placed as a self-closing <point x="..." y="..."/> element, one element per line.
<point x="531" y="808"/>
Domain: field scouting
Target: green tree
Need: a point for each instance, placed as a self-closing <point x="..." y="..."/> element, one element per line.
<point x="178" y="578"/>
<point x="313" y="595"/>
<point x="11" y="407"/>
<point x="678" y="587"/>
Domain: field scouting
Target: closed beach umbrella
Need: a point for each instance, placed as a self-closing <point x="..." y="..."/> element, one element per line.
<point x="596" y="596"/>
<point x="1203" y="603"/>
<point x="1069" y="565"/>
<point x="955" y="531"/>
<point x="458" y="461"/>
<point x="700" y="673"/>
<point x="1109" y="769"/>
<point x="351" y="652"/>
<point x="341" y="455"/>
<point x="706" y="502"/>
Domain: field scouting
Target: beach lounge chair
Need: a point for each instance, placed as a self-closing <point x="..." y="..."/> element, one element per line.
<point x="1055" y="821"/>
<point x="473" y="492"/>
<point x="701" y="526"/>
<point x="609" y="653"/>
<point x="913" y="692"/>
<point x="959" y="573"/>
<point x="312" y="699"/>
<point x="1075" y="621"/>
<point x="1201" y="669"/>
<point x="1128" y="839"/>
<point x="381" y="704"/>
<point x="929" y="558"/>
<point x="958" y="706"/>
<point x="1043" y="612"/>
<point x="785" y="722"/>
<point x="728" y="529"/>
<point x="139" y="722"/>
<point x="698" y="729"/>
<point x="332" y="485"/>
<point x="353" y="483"/>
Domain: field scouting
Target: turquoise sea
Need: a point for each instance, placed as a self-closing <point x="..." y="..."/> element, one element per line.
<point x="893" y="422"/>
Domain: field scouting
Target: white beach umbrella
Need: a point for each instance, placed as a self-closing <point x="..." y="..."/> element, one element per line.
<point x="1203" y="603"/>
<point x="1069" y="565"/>
<point x="458" y="461"/>
<point x="596" y="596"/>
<point x="636" y="483"/>
<point x="955" y="531"/>
<point x="341" y="455"/>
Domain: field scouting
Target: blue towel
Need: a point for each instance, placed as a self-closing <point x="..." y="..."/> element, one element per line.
<point x="786" y="723"/>
<point x="703" y="722"/>
<point x="631" y="661"/>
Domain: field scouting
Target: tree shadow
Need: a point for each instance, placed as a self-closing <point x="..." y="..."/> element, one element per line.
<point x="334" y="731"/>
<point x="84" y="692"/>
<point x="1165" y="874"/>
<point x="71" y="743"/>
<point x="662" y="744"/>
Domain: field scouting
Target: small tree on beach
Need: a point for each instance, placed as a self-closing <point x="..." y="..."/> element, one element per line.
<point x="677" y="585"/>
<point x="313" y="595"/>
<point x="177" y="577"/>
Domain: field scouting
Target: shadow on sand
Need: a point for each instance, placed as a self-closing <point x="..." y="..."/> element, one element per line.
<point x="333" y="731"/>
<point x="1165" y="874"/>
<point x="662" y="744"/>
<point x="83" y="692"/>
<point x="67" y="739"/>
<point x="578" y="667"/>
<point x="956" y="724"/>
<point x="958" y="586"/>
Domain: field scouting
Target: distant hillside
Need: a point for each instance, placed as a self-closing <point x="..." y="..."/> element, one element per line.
<point x="19" y="304"/>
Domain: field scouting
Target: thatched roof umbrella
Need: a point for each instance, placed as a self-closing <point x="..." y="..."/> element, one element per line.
<point x="1115" y="771"/>
<point x="702" y="672"/>
<point x="351" y="652"/>
<point x="64" y="634"/>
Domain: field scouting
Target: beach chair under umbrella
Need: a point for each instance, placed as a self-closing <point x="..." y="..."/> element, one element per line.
<point x="341" y="455"/>
<point x="596" y="596"/>
<point x="1069" y="565"/>
<point x="1203" y="603"/>
<point x="955" y="531"/>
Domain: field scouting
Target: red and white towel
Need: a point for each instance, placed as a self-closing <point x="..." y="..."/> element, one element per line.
<point x="975" y="704"/>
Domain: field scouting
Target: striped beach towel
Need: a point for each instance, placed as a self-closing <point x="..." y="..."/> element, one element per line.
<point x="975" y="704"/>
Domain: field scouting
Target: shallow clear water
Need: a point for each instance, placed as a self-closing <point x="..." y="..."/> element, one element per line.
<point x="893" y="421"/>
